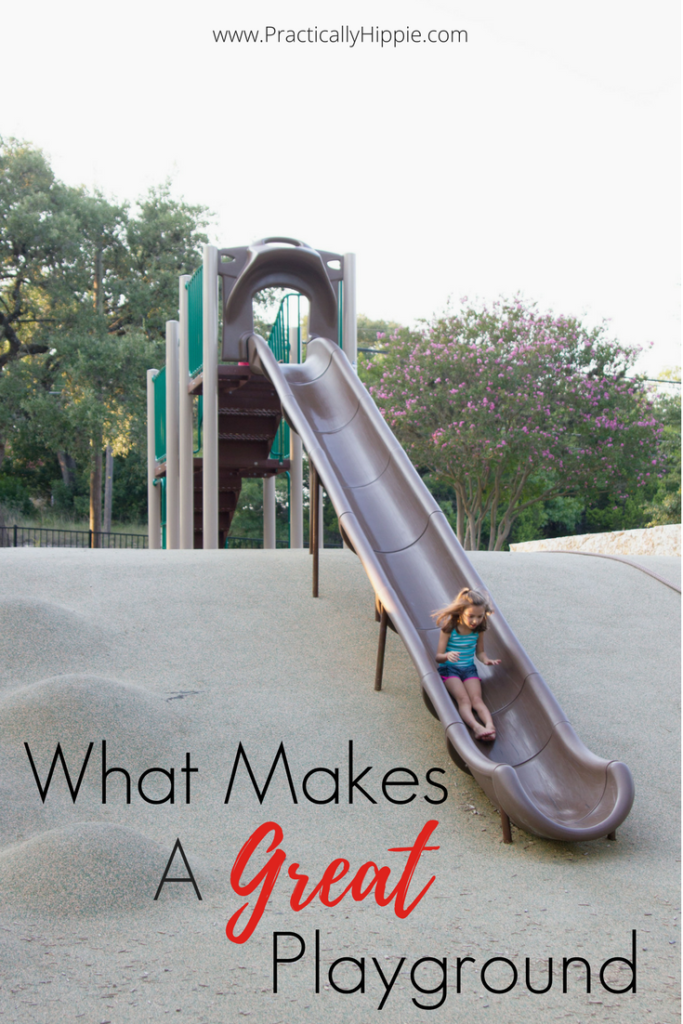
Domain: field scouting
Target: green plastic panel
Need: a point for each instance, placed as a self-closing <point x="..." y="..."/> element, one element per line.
<point x="160" y="415"/>
<point x="195" y="321"/>
<point x="288" y="316"/>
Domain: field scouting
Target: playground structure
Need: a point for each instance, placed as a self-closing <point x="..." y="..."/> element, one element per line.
<point x="537" y="771"/>
<point x="238" y="416"/>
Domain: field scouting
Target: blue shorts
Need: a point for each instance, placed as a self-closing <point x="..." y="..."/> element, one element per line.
<point x="453" y="668"/>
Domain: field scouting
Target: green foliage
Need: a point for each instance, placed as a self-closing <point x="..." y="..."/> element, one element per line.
<point x="376" y="334"/>
<point x="45" y="258"/>
<point x="14" y="496"/>
<point x="513" y="408"/>
<point x="386" y="335"/>
<point x="89" y="386"/>
<point x="559" y="517"/>
<point x="665" y="504"/>
<point x="266" y="305"/>
<point x="129" y="490"/>
<point x="86" y="288"/>
<point x="33" y="468"/>
<point x="248" y="518"/>
<point x="70" y="502"/>
<point x="162" y="242"/>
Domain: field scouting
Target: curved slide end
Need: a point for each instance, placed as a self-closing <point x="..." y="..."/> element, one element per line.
<point x="595" y="795"/>
<point x="603" y="819"/>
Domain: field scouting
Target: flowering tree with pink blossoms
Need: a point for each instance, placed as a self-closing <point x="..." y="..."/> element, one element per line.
<point x="511" y="407"/>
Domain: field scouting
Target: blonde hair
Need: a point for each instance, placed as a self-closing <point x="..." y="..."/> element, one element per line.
<point x="447" y="618"/>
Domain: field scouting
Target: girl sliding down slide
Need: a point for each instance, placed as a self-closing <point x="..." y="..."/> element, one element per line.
<point x="463" y="623"/>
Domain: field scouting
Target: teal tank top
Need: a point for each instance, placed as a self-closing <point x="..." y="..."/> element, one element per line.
<point x="465" y="646"/>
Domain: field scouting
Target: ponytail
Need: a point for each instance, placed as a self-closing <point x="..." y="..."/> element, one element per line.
<point x="447" y="618"/>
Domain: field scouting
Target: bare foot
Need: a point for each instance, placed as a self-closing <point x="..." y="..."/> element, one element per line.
<point x="485" y="735"/>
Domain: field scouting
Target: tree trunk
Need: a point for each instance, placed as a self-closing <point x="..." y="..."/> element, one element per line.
<point x="494" y="513"/>
<point x="96" y="494"/>
<point x="68" y="468"/>
<point x="504" y="532"/>
<point x="108" y="487"/>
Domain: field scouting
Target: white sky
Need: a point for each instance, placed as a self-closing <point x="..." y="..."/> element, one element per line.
<point x="541" y="157"/>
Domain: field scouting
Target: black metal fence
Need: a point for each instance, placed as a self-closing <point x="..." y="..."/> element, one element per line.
<point x="332" y="540"/>
<point x="47" y="537"/>
<point x="251" y="542"/>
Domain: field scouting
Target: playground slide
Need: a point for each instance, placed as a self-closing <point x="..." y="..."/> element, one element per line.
<point x="537" y="771"/>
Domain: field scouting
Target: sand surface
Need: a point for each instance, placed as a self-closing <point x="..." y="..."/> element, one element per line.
<point x="163" y="653"/>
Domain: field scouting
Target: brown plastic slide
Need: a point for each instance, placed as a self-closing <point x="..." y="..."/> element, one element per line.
<point x="537" y="771"/>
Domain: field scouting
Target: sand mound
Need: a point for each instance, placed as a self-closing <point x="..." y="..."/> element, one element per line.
<point x="141" y="730"/>
<point x="21" y="812"/>
<point x="84" y="869"/>
<point x="79" y="708"/>
<point x="41" y="638"/>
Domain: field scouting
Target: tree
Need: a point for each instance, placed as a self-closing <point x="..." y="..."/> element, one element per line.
<point x="376" y="334"/>
<point x="88" y="391"/>
<point x="665" y="506"/>
<point x="162" y="241"/>
<point x="511" y="407"/>
<point x="42" y="273"/>
<point x="86" y="288"/>
<point x="53" y="244"/>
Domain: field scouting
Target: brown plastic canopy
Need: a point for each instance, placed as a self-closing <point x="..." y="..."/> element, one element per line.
<point x="537" y="771"/>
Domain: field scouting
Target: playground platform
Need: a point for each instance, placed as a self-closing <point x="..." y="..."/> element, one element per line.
<point x="164" y="652"/>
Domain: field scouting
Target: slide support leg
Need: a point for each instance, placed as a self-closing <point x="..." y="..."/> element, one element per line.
<point x="505" y="825"/>
<point x="313" y="525"/>
<point x="613" y="836"/>
<point x="381" y="648"/>
<point x="311" y="501"/>
<point x="296" y="501"/>
<point x="269" y="512"/>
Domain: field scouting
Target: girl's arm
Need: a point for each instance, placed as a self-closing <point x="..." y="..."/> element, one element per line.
<point x="441" y="654"/>
<point x="481" y="654"/>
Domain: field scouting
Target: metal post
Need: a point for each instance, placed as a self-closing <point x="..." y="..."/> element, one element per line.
<point x="153" y="496"/>
<point x="210" y="395"/>
<point x="108" y="488"/>
<point x="314" y="521"/>
<point x="172" y="477"/>
<point x="296" y="500"/>
<point x="320" y="498"/>
<point x="269" y="512"/>
<point x="296" y="465"/>
<point x="311" y="505"/>
<point x="185" y="439"/>
<point x="96" y="491"/>
<point x="381" y="646"/>
<point x="349" y="321"/>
